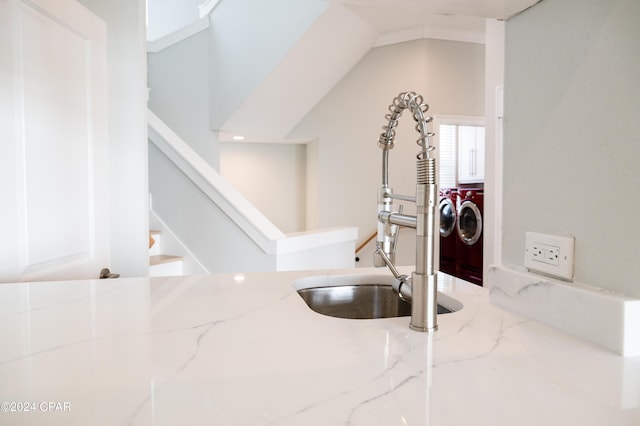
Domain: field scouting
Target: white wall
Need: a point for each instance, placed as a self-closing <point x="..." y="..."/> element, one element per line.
<point x="494" y="85"/>
<point x="126" y="47"/>
<point x="571" y="147"/>
<point x="179" y="92"/>
<point x="167" y="16"/>
<point x="249" y="38"/>
<point x="345" y="173"/>
<point x="272" y="176"/>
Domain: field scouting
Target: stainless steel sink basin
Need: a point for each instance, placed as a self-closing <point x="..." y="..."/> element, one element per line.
<point x="360" y="297"/>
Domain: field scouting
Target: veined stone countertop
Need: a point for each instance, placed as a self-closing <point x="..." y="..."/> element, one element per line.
<point x="246" y="350"/>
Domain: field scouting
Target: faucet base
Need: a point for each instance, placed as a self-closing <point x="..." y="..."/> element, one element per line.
<point x="424" y="303"/>
<point x="423" y="329"/>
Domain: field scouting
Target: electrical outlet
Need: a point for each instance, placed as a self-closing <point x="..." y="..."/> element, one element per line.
<point x="546" y="254"/>
<point x="549" y="254"/>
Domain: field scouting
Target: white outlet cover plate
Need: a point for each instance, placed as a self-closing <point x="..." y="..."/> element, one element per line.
<point x="537" y="245"/>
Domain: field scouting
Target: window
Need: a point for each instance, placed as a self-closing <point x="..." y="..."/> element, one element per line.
<point x="448" y="169"/>
<point x="461" y="150"/>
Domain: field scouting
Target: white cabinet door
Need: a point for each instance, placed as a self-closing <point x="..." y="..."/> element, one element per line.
<point x="470" y="154"/>
<point x="54" y="217"/>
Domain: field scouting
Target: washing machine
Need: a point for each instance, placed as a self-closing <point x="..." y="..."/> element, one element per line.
<point x="469" y="234"/>
<point x="448" y="236"/>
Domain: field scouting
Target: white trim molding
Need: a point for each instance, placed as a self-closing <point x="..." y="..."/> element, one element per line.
<point x="207" y="7"/>
<point x="417" y="33"/>
<point x="175" y="37"/>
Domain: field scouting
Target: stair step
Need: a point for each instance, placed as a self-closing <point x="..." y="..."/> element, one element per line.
<point x="154" y="242"/>
<point x="163" y="258"/>
<point x="160" y="263"/>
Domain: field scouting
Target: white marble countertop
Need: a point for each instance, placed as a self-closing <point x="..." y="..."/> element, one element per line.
<point x="246" y="350"/>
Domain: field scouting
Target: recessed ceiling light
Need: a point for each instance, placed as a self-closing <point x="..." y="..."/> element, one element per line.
<point x="238" y="138"/>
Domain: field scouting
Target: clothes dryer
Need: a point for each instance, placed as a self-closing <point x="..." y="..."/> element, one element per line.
<point x="448" y="235"/>
<point x="469" y="235"/>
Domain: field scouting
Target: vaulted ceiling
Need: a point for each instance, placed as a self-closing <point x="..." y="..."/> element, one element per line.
<point x="344" y="33"/>
<point x="340" y="33"/>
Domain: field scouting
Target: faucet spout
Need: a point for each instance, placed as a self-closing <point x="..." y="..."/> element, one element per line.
<point x="423" y="282"/>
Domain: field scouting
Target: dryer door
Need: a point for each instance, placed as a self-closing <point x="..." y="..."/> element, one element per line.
<point x="447" y="217"/>
<point x="469" y="222"/>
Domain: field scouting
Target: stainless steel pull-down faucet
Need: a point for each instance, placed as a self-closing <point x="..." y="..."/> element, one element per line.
<point x="421" y="288"/>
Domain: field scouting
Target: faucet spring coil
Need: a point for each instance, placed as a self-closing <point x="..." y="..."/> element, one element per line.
<point x="387" y="138"/>
<point x="415" y="103"/>
<point x="426" y="146"/>
<point x="426" y="171"/>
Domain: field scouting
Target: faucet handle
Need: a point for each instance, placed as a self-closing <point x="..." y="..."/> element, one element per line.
<point x="388" y="262"/>
<point x="396" y="232"/>
<point x="384" y="254"/>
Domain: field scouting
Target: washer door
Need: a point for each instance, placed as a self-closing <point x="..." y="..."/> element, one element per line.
<point x="447" y="217"/>
<point x="469" y="223"/>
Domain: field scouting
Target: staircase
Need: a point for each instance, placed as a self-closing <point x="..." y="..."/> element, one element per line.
<point x="160" y="264"/>
<point x="168" y="255"/>
<point x="216" y="229"/>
